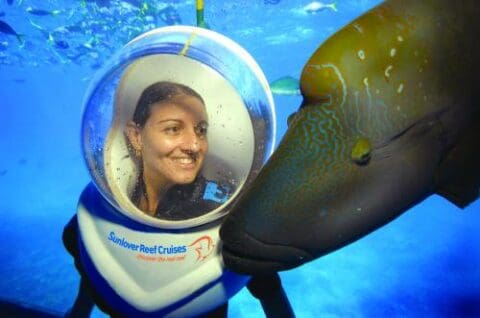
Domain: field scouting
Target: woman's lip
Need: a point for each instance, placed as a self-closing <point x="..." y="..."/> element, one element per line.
<point x="186" y="163"/>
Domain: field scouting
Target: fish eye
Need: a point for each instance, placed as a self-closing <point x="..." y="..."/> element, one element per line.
<point x="361" y="151"/>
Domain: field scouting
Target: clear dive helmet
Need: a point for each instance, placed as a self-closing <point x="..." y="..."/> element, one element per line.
<point x="238" y="101"/>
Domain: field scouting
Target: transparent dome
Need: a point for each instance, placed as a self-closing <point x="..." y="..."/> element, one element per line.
<point x="238" y="102"/>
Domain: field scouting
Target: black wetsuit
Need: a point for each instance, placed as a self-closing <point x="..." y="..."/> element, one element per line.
<point x="183" y="202"/>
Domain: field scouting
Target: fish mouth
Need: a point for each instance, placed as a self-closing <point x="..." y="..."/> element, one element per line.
<point x="244" y="264"/>
<point x="248" y="255"/>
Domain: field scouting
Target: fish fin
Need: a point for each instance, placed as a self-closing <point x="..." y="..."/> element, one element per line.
<point x="458" y="175"/>
<point x="21" y="39"/>
<point x="286" y="85"/>
<point x="35" y="25"/>
<point x="334" y="7"/>
<point x="70" y="14"/>
<point x="50" y="39"/>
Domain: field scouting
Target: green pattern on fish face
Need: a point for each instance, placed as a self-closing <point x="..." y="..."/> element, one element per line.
<point x="315" y="143"/>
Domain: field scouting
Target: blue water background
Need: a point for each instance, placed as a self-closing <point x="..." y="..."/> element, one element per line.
<point x="424" y="264"/>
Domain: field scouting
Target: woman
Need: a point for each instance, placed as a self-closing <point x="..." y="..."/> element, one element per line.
<point x="168" y="137"/>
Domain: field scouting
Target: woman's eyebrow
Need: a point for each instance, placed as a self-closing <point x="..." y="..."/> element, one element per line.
<point x="162" y="121"/>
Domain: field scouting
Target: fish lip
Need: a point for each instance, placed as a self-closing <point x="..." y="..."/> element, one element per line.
<point x="268" y="258"/>
<point x="244" y="265"/>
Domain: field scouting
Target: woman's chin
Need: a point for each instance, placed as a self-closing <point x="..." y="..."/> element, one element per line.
<point x="185" y="178"/>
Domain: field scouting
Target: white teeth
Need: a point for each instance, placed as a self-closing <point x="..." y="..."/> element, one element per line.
<point x="185" y="160"/>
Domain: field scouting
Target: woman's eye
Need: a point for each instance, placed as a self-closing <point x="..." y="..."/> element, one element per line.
<point x="172" y="130"/>
<point x="201" y="129"/>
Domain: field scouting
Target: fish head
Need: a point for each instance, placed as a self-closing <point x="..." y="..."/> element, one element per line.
<point x="362" y="148"/>
<point x="321" y="189"/>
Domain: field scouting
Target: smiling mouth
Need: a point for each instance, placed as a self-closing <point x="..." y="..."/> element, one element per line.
<point x="186" y="162"/>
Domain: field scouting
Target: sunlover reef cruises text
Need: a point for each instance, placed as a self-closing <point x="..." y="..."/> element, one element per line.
<point x="142" y="248"/>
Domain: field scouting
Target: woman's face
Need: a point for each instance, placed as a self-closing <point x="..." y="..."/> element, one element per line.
<point x="173" y="141"/>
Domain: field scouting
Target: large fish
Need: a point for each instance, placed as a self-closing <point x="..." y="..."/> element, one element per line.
<point x="390" y="116"/>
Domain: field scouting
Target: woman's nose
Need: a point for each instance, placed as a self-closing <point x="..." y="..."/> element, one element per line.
<point x="191" y="142"/>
